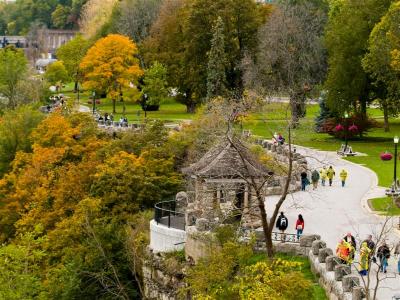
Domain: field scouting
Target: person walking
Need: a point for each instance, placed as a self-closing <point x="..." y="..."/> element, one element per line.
<point x="299" y="226"/>
<point x="364" y="258"/>
<point x="315" y="179"/>
<point x="282" y="224"/>
<point x="371" y="246"/>
<point x="343" y="176"/>
<point x="330" y="173"/>
<point x="304" y="180"/>
<point x="323" y="176"/>
<point x="383" y="254"/>
<point x="397" y="253"/>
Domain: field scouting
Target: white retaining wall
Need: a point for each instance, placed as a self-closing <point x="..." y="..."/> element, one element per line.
<point x="164" y="239"/>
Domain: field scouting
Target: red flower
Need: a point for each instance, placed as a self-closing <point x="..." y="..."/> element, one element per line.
<point x="386" y="156"/>
<point x="339" y="127"/>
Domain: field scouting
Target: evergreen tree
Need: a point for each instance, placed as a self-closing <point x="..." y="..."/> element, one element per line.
<point x="324" y="113"/>
<point x="216" y="77"/>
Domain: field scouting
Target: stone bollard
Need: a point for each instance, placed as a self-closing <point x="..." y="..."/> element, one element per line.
<point x="350" y="281"/>
<point x="323" y="254"/>
<point x="358" y="293"/>
<point x="306" y="240"/>
<point x="331" y="261"/>
<point x="340" y="271"/>
<point x="316" y="245"/>
<point x="273" y="148"/>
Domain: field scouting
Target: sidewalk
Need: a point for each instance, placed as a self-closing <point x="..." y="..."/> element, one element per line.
<point x="333" y="211"/>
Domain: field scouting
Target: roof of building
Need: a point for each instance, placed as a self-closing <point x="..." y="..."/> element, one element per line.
<point x="224" y="161"/>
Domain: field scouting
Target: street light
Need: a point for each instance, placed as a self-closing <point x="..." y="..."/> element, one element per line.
<point x="94" y="101"/>
<point x="346" y="128"/>
<point x="396" y="141"/>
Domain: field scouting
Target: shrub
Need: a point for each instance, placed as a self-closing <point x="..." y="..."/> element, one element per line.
<point x="386" y="156"/>
<point x="356" y="125"/>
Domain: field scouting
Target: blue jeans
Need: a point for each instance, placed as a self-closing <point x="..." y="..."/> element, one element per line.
<point x="299" y="232"/>
<point x="323" y="182"/>
<point x="398" y="265"/>
<point x="343" y="182"/>
<point x="384" y="264"/>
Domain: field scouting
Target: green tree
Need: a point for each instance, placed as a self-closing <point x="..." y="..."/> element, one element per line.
<point x="155" y="84"/>
<point x="347" y="33"/>
<point x="15" y="130"/>
<point x="71" y="54"/>
<point x="60" y="16"/>
<point x="13" y="70"/>
<point x="56" y="74"/>
<point x="378" y="62"/>
<point x="216" y="77"/>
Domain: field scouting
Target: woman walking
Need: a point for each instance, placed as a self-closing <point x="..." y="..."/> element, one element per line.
<point x="299" y="226"/>
<point x="330" y="174"/>
<point x="343" y="177"/>
<point x="315" y="179"/>
<point x="304" y="181"/>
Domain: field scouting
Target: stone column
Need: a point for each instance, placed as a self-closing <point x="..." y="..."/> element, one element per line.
<point x="316" y="245"/>
<point x="350" y="281"/>
<point x="323" y="254"/>
<point x="306" y="240"/>
<point x="331" y="261"/>
<point x="340" y="271"/>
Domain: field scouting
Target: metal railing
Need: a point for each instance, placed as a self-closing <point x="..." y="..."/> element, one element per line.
<point x="165" y="213"/>
<point x="279" y="237"/>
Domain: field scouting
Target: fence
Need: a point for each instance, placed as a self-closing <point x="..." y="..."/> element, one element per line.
<point x="165" y="213"/>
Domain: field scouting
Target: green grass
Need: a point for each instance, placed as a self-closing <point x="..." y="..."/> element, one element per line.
<point x="319" y="292"/>
<point x="385" y="205"/>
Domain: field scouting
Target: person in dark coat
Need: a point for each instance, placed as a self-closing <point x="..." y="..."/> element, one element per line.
<point x="350" y="239"/>
<point x="383" y="254"/>
<point x="282" y="224"/>
<point x="304" y="181"/>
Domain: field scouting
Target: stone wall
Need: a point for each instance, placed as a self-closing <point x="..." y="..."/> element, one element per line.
<point x="338" y="280"/>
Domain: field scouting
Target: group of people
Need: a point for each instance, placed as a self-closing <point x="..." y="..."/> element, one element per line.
<point x="347" y="247"/>
<point x="282" y="224"/>
<point x="325" y="175"/>
<point x="109" y="119"/>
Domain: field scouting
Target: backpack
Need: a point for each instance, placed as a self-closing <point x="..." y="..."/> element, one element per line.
<point x="283" y="222"/>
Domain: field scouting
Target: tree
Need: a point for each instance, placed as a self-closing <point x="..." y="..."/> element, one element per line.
<point x="346" y="36"/>
<point x="216" y="78"/>
<point x="155" y="84"/>
<point x="95" y="13"/>
<point x="71" y="54"/>
<point x="290" y="58"/>
<point x="15" y="129"/>
<point x="181" y="40"/>
<point x="110" y="65"/>
<point x="60" y="16"/>
<point x="378" y="63"/>
<point x="56" y="74"/>
<point x="13" y="70"/>
<point x="135" y="17"/>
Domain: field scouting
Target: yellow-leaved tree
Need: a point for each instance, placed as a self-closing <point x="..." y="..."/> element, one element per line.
<point x="110" y="65"/>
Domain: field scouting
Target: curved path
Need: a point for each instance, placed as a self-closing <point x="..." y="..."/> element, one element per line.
<point x="333" y="211"/>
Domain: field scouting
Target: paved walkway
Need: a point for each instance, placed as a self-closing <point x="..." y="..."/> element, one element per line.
<point x="333" y="211"/>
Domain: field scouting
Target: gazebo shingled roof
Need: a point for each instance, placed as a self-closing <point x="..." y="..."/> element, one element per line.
<point x="224" y="161"/>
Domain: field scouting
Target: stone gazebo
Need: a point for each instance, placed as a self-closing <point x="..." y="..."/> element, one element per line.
<point x="220" y="181"/>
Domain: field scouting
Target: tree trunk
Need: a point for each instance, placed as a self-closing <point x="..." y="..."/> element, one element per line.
<point x="264" y="222"/>
<point x="191" y="107"/>
<point x="76" y="87"/>
<point x="386" y="118"/>
<point x="113" y="101"/>
<point x="294" y="108"/>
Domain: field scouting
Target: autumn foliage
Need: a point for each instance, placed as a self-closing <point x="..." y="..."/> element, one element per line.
<point x="110" y="65"/>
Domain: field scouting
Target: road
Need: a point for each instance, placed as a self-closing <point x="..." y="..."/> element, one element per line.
<point x="333" y="211"/>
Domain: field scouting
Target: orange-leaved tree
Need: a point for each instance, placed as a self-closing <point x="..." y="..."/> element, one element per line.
<point x="111" y="65"/>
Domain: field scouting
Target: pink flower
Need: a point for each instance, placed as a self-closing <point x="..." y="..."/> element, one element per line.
<point x="353" y="128"/>
<point x="339" y="127"/>
<point x="386" y="156"/>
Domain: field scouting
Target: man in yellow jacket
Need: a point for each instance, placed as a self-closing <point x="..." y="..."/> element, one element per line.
<point x="330" y="173"/>
<point x="322" y="175"/>
<point x="343" y="176"/>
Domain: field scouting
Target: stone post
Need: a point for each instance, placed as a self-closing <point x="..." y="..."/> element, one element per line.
<point x="323" y="254"/>
<point x="350" y="281"/>
<point x="358" y="293"/>
<point x="340" y="271"/>
<point x="316" y="245"/>
<point x="306" y="240"/>
<point x="331" y="261"/>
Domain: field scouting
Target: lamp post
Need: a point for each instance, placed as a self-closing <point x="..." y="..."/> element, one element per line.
<point x="396" y="141"/>
<point x="94" y="101"/>
<point x="346" y="128"/>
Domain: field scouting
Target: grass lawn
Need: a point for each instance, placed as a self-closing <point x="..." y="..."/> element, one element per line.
<point x="384" y="204"/>
<point x="319" y="292"/>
